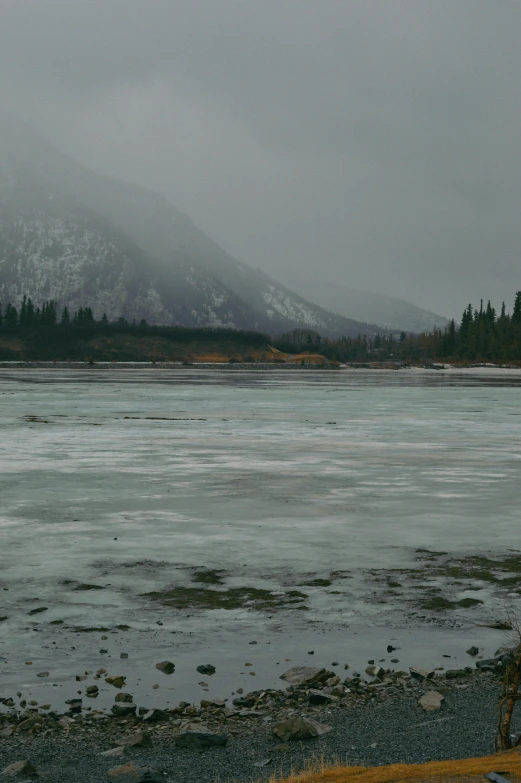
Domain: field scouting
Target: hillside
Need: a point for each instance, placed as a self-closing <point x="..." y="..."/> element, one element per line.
<point x="71" y="235"/>
<point x="388" y="312"/>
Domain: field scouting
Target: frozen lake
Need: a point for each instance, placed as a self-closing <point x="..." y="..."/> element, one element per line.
<point x="310" y="485"/>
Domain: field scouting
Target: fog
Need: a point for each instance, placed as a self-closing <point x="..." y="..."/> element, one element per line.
<point x="376" y="143"/>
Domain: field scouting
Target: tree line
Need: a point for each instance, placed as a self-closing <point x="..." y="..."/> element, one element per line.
<point x="46" y="316"/>
<point x="482" y="335"/>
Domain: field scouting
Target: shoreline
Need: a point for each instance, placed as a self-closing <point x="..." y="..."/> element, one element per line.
<point x="238" y="366"/>
<point x="370" y="722"/>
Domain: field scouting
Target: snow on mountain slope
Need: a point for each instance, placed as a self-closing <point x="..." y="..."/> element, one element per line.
<point x="387" y="311"/>
<point x="82" y="238"/>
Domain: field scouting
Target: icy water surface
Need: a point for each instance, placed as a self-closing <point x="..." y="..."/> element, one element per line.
<point x="310" y="485"/>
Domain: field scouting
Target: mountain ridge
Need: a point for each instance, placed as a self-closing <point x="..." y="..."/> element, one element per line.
<point x="73" y="235"/>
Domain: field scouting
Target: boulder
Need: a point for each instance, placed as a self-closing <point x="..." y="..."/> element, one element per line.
<point x="124" y="697"/>
<point x="19" y="769"/>
<point x="154" y="715"/>
<point x="194" y="736"/>
<point x="454" y="674"/>
<point x="299" y="728"/>
<point x="123" y="710"/>
<point x="134" y="773"/>
<point x="430" y="701"/>
<point x="30" y="722"/>
<point x="206" y="668"/>
<point x="375" y="671"/>
<point x="487" y="664"/>
<point x="118" y="681"/>
<point x="473" y="651"/>
<point x="167" y="667"/>
<point x="117" y="753"/>
<point x="422" y="674"/>
<point x="140" y="739"/>
<point x="304" y="675"/>
<point x="319" y="697"/>
<point x="243" y="701"/>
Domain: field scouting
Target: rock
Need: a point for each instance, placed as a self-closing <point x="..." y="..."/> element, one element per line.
<point x="123" y="710"/>
<point x="193" y="737"/>
<point x="299" y="728"/>
<point x="154" y="715"/>
<point x="263" y="763"/>
<point x="118" y="752"/>
<point x="92" y="691"/>
<point x="422" y="674"/>
<point x="206" y="668"/>
<point x="81" y="677"/>
<point x="487" y="664"/>
<point x="453" y="674"/>
<point x="117" y="681"/>
<point x="125" y="697"/>
<point x="42" y="674"/>
<point x="303" y="675"/>
<point x="134" y="773"/>
<point x="431" y="701"/>
<point x="167" y="667"/>
<point x="333" y="681"/>
<point x="473" y="651"/>
<point x="30" y="722"/>
<point x="281" y="748"/>
<point x="390" y="648"/>
<point x="123" y="655"/>
<point x="243" y="701"/>
<point x="375" y="671"/>
<point x="140" y="739"/>
<point x="19" y="769"/>
<point x="7" y="732"/>
<point x="319" y="697"/>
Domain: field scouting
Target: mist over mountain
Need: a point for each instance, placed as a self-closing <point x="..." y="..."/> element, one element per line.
<point x="80" y="238"/>
<point x="386" y="311"/>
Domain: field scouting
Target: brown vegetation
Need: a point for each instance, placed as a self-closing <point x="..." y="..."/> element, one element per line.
<point x="459" y="771"/>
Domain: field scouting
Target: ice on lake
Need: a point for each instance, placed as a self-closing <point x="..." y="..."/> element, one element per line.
<point x="133" y="481"/>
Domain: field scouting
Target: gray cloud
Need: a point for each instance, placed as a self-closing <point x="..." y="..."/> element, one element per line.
<point x="374" y="141"/>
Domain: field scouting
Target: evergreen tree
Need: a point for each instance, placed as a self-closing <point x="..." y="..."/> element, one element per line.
<point x="65" y="320"/>
<point x="23" y="312"/>
<point x="29" y="315"/>
<point x="516" y="315"/>
<point x="11" y="316"/>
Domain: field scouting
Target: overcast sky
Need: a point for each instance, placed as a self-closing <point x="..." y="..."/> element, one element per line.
<point x="377" y="142"/>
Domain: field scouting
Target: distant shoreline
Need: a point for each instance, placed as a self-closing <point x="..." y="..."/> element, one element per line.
<point x="239" y="366"/>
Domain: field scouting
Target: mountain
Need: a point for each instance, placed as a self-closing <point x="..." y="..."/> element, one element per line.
<point x="391" y="313"/>
<point x="81" y="238"/>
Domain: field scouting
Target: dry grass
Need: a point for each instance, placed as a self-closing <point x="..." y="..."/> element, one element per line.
<point x="460" y="771"/>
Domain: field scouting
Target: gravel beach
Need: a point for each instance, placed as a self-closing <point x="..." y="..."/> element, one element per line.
<point x="380" y="726"/>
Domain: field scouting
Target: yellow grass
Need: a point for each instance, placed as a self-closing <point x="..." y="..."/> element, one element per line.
<point x="460" y="771"/>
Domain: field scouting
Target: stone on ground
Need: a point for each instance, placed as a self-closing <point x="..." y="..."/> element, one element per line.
<point x="299" y="728"/>
<point x="198" y="736"/>
<point x="300" y="675"/>
<point x="19" y="769"/>
<point x="167" y="667"/>
<point x="430" y="701"/>
<point x="134" y="773"/>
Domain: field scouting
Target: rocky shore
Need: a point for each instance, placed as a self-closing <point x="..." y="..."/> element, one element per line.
<point x="377" y="716"/>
